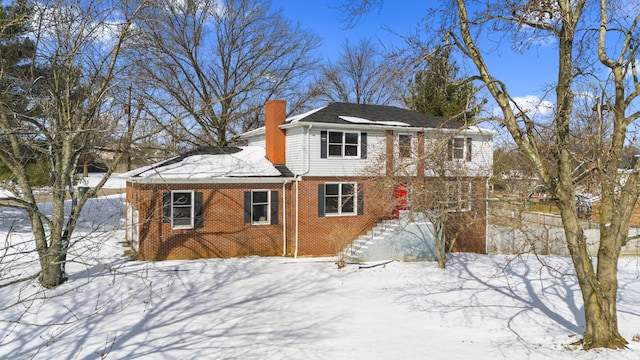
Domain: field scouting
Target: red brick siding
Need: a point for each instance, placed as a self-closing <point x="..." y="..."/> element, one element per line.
<point x="469" y="228"/>
<point x="327" y="235"/>
<point x="224" y="233"/>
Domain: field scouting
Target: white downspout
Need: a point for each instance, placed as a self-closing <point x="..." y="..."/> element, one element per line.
<point x="486" y="216"/>
<point x="284" y="219"/>
<point x="295" y="254"/>
<point x="298" y="179"/>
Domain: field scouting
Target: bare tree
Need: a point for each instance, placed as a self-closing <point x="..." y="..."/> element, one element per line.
<point x="561" y="20"/>
<point x="452" y="199"/>
<point x="361" y="75"/>
<point x="584" y="53"/>
<point x="74" y="66"/>
<point x="213" y="64"/>
<point x="435" y="184"/>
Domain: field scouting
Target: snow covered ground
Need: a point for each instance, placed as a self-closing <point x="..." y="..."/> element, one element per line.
<point x="91" y="180"/>
<point x="480" y="307"/>
<point x="115" y="182"/>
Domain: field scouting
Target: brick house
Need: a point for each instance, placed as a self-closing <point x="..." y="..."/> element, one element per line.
<point x="304" y="185"/>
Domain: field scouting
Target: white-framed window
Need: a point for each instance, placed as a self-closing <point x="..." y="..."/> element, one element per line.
<point x="404" y="145"/>
<point x="260" y="207"/>
<point x="459" y="196"/>
<point x="343" y="144"/>
<point x="459" y="149"/>
<point x="340" y="199"/>
<point x="336" y="144"/>
<point x="182" y="209"/>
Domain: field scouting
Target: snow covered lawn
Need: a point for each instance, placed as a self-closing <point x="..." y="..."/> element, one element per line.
<point x="480" y="307"/>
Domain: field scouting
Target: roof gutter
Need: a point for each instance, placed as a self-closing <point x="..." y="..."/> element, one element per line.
<point x="214" y="180"/>
<point x="352" y="126"/>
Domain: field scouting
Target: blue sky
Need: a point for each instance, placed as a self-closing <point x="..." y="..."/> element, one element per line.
<point x="323" y="16"/>
<point x="525" y="74"/>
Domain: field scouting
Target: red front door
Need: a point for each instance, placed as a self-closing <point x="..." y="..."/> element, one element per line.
<point x="400" y="196"/>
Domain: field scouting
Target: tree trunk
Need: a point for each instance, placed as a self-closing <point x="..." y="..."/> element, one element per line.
<point x="599" y="289"/>
<point x="439" y="224"/>
<point x="52" y="273"/>
<point x="600" y="303"/>
<point x="601" y="318"/>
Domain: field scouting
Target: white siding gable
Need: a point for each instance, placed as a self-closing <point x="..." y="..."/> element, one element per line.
<point x="338" y="166"/>
<point x="303" y="151"/>
<point x="437" y="155"/>
<point x="296" y="149"/>
<point x="256" y="138"/>
<point x="257" y="141"/>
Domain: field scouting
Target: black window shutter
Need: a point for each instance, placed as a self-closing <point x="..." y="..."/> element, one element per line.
<point x="360" y="199"/>
<point x="166" y="207"/>
<point x="247" y="207"/>
<point x="363" y="145"/>
<point x="274" y="207"/>
<point x="197" y="211"/>
<point x="323" y="144"/>
<point x="468" y="149"/>
<point x="320" y="200"/>
<point x="450" y="150"/>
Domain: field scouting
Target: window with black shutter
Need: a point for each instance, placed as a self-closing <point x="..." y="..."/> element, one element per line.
<point x="182" y="209"/>
<point x="335" y="199"/>
<point x="261" y="207"/>
<point x="343" y="144"/>
<point x="459" y="149"/>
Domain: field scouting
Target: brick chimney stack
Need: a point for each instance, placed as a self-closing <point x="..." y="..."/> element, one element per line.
<point x="275" y="114"/>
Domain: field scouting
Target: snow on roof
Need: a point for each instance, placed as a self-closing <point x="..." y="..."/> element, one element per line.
<point x="357" y="120"/>
<point x="249" y="162"/>
<point x="479" y="130"/>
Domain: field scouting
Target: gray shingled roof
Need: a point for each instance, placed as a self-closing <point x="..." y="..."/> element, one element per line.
<point x="379" y="113"/>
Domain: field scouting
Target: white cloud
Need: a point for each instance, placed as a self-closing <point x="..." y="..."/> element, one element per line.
<point x="532" y="105"/>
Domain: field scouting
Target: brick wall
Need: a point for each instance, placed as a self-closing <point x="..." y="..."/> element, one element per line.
<point x="223" y="234"/>
<point x="326" y="235"/>
<point x="468" y="229"/>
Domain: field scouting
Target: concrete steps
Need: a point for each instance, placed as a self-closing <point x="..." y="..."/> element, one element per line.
<point x="354" y="251"/>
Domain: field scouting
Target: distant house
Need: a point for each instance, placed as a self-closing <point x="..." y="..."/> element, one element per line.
<point x="299" y="188"/>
